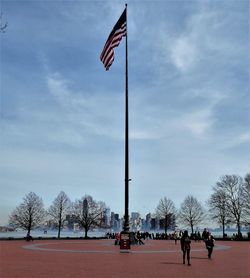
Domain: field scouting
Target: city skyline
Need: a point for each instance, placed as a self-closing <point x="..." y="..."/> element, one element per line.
<point x="62" y="114"/>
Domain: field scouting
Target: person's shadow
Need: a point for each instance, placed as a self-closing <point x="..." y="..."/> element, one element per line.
<point x="199" y="258"/>
<point x="174" y="263"/>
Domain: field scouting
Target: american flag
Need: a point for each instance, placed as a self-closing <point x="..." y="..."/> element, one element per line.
<point x="119" y="31"/>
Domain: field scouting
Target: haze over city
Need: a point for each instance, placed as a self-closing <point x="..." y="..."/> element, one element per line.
<point x="62" y="114"/>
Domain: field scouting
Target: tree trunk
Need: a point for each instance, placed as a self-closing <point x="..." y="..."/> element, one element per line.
<point x="238" y="229"/>
<point x="86" y="232"/>
<point x="192" y="228"/>
<point x="29" y="229"/>
<point x="223" y="228"/>
<point x="59" y="228"/>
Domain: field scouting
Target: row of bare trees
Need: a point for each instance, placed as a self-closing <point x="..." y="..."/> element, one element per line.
<point x="190" y="214"/>
<point x="228" y="203"/>
<point x="30" y="213"/>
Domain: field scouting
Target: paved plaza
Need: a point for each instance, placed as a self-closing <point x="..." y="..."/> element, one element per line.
<point x="101" y="258"/>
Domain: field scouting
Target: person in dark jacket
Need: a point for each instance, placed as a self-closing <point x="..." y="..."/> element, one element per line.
<point x="210" y="245"/>
<point x="185" y="247"/>
<point x="205" y="235"/>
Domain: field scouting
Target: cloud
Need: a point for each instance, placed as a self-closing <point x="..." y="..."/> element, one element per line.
<point x="137" y="134"/>
<point x="184" y="53"/>
<point x="83" y="110"/>
<point x="237" y="140"/>
<point x="63" y="121"/>
<point x="59" y="89"/>
<point x="204" y="38"/>
<point x="198" y="122"/>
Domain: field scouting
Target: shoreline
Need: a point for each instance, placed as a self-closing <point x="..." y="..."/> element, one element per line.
<point x="245" y="239"/>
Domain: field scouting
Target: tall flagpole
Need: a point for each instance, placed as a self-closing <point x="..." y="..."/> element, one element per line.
<point x="126" y="215"/>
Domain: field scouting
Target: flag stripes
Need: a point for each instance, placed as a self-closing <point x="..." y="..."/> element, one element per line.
<point x="119" y="31"/>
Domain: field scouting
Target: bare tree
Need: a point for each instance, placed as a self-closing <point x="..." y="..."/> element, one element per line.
<point x="166" y="210"/>
<point x="29" y="214"/>
<point x="191" y="212"/>
<point x="59" y="209"/>
<point x="218" y="208"/>
<point x="232" y="186"/>
<point x="246" y="200"/>
<point x="89" y="213"/>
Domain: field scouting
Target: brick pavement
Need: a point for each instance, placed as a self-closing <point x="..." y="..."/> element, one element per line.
<point x="101" y="258"/>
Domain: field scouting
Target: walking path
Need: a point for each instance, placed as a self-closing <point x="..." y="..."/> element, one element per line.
<point x="101" y="258"/>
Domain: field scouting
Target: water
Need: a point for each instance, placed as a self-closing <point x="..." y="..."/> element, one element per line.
<point x="51" y="233"/>
<point x="230" y="233"/>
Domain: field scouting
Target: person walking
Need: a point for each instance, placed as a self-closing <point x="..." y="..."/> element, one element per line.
<point x="185" y="247"/>
<point x="210" y="245"/>
<point x="205" y="234"/>
<point x="175" y="237"/>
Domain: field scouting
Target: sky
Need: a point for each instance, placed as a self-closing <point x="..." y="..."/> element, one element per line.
<point x="62" y="114"/>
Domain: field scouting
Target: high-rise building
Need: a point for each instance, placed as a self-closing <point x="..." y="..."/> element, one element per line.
<point x="135" y="215"/>
<point x="115" y="221"/>
<point x="107" y="218"/>
<point x="153" y="224"/>
<point x="148" y="222"/>
<point x="135" y="221"/>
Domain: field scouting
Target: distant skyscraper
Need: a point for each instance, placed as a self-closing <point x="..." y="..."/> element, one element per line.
<point x="115" y="221"/>
<point x="107" y="218"/>
<point x="85" y="207"/>
<point x="135" y="221"/>
<point x="135" y="215"/>
<point x="148" y="222"/>
<point x="153" y="224"/>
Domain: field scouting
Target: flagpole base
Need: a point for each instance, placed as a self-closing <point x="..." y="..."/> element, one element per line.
<point x="125" y="242"/>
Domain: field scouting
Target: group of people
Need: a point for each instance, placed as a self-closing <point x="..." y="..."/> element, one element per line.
<point x="135" y="238"/>
<point x="186" y="245"/>
<point x="185" y="241"/>
<point x="142" y="235"/>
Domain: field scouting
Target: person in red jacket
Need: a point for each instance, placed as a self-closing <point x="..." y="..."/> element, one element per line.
<point x="117" y="239"/>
